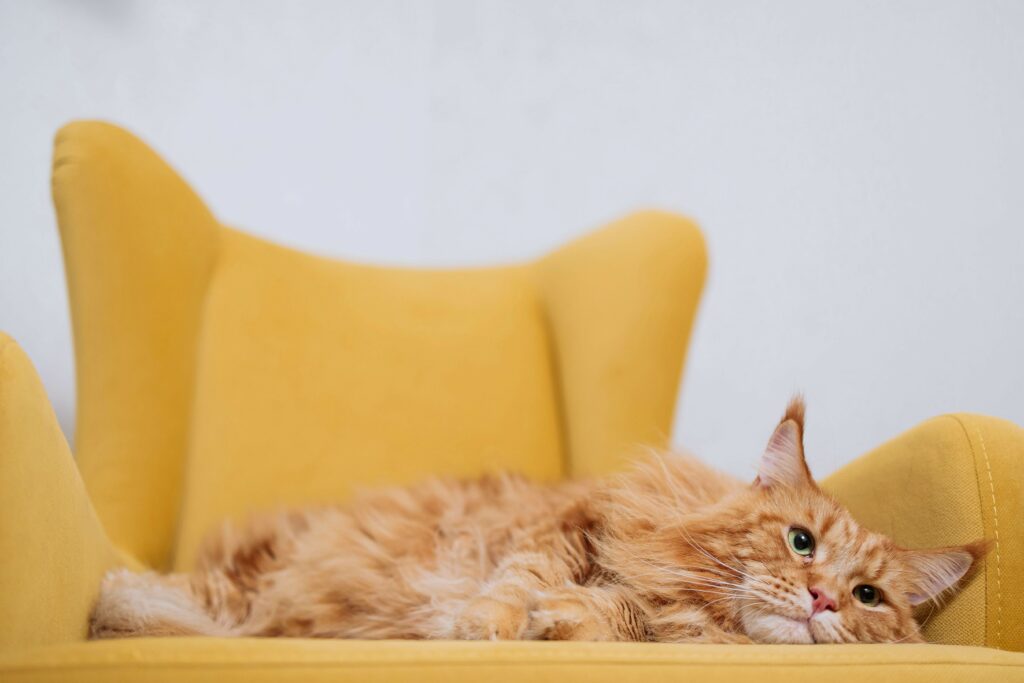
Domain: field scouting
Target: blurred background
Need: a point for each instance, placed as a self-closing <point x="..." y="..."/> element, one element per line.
<point x="857" y="167"/>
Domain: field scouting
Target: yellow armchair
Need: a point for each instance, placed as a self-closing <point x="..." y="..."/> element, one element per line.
<point x="218" y="373"/>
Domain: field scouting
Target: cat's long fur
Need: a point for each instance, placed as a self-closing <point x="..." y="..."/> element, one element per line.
<point x="670" y="551"/>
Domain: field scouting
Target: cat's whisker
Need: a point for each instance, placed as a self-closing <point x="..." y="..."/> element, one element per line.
<point x="691" y="584"/>
<point x="703" y="551"/>
<point x="718" y="591"/>
<point x="681" y="570"/>
<point x="717" y="600"/>
<point x="696" y="579"/>
<point x="686" y="536"/>
<point x="931" y="611"/>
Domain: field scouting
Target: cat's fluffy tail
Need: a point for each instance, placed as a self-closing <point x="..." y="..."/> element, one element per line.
<point x="150" y="604"/>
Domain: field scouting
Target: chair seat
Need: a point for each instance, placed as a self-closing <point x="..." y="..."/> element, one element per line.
<point x="255" y="660"/>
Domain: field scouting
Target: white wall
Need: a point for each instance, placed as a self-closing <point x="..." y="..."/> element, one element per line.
<point x="858" y="168"/>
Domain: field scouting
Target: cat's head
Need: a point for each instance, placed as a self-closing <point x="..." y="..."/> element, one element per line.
<point x="806" y="571"/>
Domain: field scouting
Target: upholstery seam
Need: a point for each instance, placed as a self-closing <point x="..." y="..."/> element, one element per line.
<point x="995" y="531"/>
<point x="977" y="478"/>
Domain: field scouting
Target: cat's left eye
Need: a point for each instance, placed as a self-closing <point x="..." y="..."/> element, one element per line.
<point x="869" y="595"/>
<point x="801" y="541"/>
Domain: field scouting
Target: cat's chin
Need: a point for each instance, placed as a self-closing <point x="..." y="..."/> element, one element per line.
<point x="775" y="628"/>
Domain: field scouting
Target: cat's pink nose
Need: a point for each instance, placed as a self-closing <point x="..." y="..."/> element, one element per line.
<point x="821" y="601"/>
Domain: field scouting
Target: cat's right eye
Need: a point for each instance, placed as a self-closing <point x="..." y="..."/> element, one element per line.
<point x="801" y="541"/>
<point x="869" y="595"/>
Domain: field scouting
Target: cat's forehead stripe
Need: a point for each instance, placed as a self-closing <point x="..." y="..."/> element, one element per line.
<point x="827" y="523"/>
<point x="878" y="564"/>
<point x="766" y="518"/>
<point x="855" y="552"/>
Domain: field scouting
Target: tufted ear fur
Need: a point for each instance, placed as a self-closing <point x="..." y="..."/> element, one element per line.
<point x="783" y="461"/>
<point x="933" y="572"/>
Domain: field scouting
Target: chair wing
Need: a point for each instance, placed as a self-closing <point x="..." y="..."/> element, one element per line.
<point x="621" y="304"/>
<point x="139" y="247"/>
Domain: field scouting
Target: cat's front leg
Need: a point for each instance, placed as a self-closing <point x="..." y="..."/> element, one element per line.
<point x="691" y="624"/>
<point x="502" y="609"/>
<point x="575" y="612"/>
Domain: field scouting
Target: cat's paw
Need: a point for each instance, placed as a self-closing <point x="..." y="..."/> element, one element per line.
<point x="490" y="619"/>
<point x="566" y="618"/>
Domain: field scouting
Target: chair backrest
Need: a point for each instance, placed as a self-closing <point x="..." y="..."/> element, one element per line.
<point x="220" y="374"/>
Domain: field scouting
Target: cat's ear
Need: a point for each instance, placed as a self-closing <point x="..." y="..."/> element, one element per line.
<point x="932" y="572"/>
<point x="783" y="461"/>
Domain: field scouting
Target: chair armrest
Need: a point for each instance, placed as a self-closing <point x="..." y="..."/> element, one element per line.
<point x="53" y="550"/>
<point x="951" y="480"/>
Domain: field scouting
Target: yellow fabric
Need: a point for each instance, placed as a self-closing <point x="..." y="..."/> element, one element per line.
<point x="188" y="660"/>
<point x="139" y="248"/>
<point x="620" y="304"/>
<point x="339" y="375"/>
<point x="319" y="376"/>
<point x="953" y="479"/>
<point x="52" y="548"/>
<point x="998" y="450"/>
<point x="218" y="373"/>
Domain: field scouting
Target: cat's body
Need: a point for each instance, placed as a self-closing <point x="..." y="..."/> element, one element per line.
<point x="671" y="551"/>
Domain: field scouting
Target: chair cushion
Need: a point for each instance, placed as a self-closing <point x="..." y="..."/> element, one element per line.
<point x="314" y="375"/>
<point x="258" y="660"/>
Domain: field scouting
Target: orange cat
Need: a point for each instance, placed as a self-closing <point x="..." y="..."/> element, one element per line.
<point x="671" y="551"/>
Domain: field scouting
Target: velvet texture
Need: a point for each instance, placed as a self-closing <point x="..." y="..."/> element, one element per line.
<point x="219" y="373"/>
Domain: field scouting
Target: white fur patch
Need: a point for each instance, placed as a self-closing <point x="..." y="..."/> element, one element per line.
<point x="140" y="604"/>
<point x="772" y="628"/>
